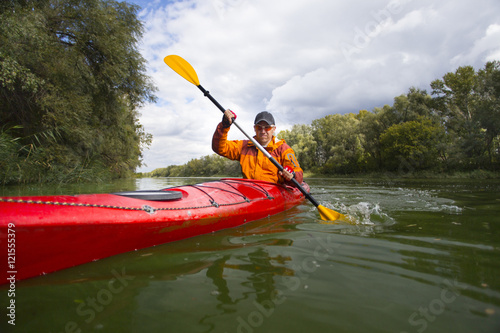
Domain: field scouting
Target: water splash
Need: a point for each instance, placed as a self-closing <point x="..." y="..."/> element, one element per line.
<point x="362" y="213"/>
<point x="368" y="205"/>
<point x="366" y="213"/>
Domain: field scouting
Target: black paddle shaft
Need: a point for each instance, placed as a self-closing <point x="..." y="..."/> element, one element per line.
<point x="258" y="145"/>
<point x="207" y="94"/>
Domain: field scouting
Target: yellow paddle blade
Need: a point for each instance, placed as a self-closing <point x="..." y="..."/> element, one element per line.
<point x="183" y="68"/>
<point x="328" y="214"/>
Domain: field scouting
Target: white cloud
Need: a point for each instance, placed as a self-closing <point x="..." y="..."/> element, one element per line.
<point x="300" y="59"/>
<point x="487" y="48"/>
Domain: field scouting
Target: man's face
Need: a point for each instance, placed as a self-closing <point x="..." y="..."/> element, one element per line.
<point x="264" y="133"/>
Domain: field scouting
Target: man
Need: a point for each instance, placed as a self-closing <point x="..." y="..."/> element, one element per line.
<point x="254" y="164"/>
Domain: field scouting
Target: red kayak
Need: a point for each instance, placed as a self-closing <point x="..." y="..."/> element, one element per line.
<point x="44" y="234"/>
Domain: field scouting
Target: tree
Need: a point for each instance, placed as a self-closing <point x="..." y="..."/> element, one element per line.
<point x="340" y="144"/>
<point x="207" y="166"/>
<point x="412" y="144"/>
<point x="416" y="103"/>
<point x="455" y="101"/>
<point x="71" y="82"/>
<point x="488" y="109"/>
<point x="468" y="105"/>
<point x="371" y="126"/>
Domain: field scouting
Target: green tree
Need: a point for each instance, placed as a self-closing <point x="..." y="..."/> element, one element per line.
<point x="340" y="144"/>
<point x="457" y="102"/>
<point x="488" y="109"/>
<point x="206" y="166"/>
<point x="371" y="126"/>
<point x="411" y="145"/>
<point x="416" y="103"/>
<point x="71" y="82"/>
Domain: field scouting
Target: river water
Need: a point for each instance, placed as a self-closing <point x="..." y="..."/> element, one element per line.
<point x="422" y="256"/>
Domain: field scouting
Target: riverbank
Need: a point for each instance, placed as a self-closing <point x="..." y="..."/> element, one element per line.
<point x="476" y="174"/>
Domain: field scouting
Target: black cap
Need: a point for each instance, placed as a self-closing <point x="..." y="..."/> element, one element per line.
<point x="264" y="116"/>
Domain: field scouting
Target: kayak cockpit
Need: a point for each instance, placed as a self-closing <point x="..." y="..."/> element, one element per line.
<point x="157" y="195"/>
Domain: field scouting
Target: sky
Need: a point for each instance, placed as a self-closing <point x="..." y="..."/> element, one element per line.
<point x="298" y="59"/>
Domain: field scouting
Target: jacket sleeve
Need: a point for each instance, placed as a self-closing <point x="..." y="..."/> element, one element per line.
<point x="288" y="159"/>
<point x="224" y="147"/>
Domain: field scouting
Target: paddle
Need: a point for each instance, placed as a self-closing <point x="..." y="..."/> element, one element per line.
<point x="184" y="69"/>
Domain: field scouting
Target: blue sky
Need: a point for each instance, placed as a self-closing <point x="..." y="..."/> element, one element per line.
<point x="299" y="59"/>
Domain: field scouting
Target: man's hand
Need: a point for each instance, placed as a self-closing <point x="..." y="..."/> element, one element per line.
<point x="287" y="173"/>
<point x="229" y="116"/>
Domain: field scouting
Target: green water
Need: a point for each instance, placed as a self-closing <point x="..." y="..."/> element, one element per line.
<point x="424" y="256"/>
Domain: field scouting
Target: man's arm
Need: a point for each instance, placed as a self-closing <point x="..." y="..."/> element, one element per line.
<point x="224" y="147"/>
<point x="290" y="162"/>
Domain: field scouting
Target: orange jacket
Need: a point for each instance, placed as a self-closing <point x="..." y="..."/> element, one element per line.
<point x="254" y="164"/>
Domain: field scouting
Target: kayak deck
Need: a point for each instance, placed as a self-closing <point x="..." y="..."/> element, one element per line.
<point x="56" y="232"/>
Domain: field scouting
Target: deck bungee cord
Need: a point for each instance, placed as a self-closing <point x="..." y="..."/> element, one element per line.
<point x="150" y="209"/>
